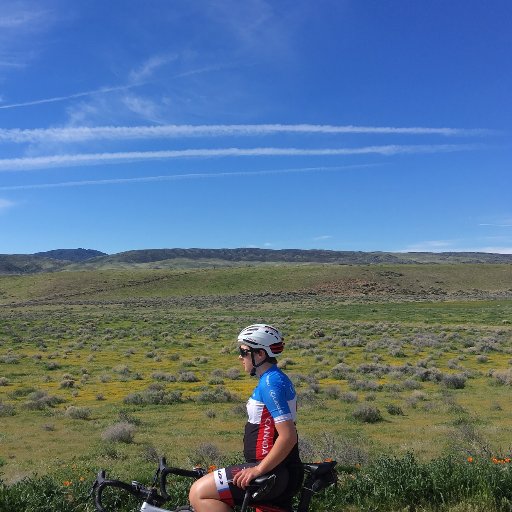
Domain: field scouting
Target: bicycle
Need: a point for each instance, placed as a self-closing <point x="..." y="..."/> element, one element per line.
<point x="318" y="476"/>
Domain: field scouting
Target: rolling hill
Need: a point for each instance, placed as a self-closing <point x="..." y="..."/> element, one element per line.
<point x="88" y="259"/>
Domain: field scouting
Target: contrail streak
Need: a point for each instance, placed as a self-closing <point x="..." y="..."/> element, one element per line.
<point x="84" y="134"/>
<point x="80" y="159"/>
<point x="59" y="98"/>
<point x="177" y="177"/>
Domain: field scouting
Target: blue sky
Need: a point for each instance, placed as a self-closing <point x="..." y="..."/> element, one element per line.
<point x="334" y="124"/>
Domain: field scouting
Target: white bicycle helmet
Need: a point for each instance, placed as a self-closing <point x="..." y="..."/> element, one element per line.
<point x="261" y="336"/>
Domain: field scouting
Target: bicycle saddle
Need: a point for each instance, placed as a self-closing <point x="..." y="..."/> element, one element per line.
<point x="260" y="480"/>
<point x="319" y="468"/>
<point x="261" y="486"/>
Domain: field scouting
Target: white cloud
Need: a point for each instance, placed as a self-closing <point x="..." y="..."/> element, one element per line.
<point x="433" y="246"/>
<point x="252" y="23"/>
<point x="142" y="107"/>
<point x="5" y="204"/>
<point x="79" y="159"/>
<point x="11" y="62"/>
<point x="83" y="133"/>
<point x="497" y="249"/>
<point x="322" y="237"/>
<point x="19" y="19"/>
<point x="21" y="25"/>
<point x="147" y="69"/>
<point x="202" y="70"/>
<point x="457" y="246"/>
<point x="505" y="224"/>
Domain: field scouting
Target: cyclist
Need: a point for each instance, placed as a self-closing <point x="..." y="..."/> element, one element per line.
<point x="270" y="440"/>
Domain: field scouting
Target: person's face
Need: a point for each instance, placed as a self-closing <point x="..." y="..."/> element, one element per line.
<point x="245" y="357"/>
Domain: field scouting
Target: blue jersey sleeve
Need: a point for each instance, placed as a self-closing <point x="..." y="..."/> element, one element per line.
<point x="278" y="395"/>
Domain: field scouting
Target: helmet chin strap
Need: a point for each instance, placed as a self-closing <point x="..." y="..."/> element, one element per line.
<point x="257" y="365"/>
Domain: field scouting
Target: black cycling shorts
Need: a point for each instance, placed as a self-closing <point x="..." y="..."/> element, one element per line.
<point x="287" y="482"/>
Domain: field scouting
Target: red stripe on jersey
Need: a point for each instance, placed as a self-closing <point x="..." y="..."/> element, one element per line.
<point x="266" y="432"/>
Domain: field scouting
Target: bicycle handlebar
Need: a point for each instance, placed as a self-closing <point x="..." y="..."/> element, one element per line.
<point x="163" y="471"/>
<point x="140" y="491"/>
<point x="135" y="489"/>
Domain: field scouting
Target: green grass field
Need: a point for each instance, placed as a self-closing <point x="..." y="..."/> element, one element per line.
<point x="428" y="348"/>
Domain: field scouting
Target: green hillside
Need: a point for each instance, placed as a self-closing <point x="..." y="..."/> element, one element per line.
<point x="87" y="259"/>
<point x="425" y="346"/>
<point x="208" y="258"/>
<point x="366" y="281"/>
<point x="27" y="264"/>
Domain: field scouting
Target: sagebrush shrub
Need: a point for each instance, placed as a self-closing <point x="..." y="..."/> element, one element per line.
<point x="348" y="397"/>
<point x="394" y="410"/>
<point x="239" y="410"/>
<point x="503" y="377"/>
<point x="454" y="381"/>
<point x="333" y="391"/>
<point x="206" y="454"/>
<point x="122" y="370"/>
<point x="122" y="432"/>
<point x="52" y="365"/>
<point x="367" y="414"/>
<point x="412" y="384"/>
<point x="67" y="383"/>
<point x="284" y="363"/>
<point x="187" y="377"/>
<point x="153" y="397"/>
<point x="6" y="410"/>
<point x="9" y="359"/>
<point x="78" y="413"/>
<point x="346" y="451"/>
<point x="38" y="400"/>
<point x="233" y="373"/>
<point x="364" y="385"/>
<point x="341" y="371"/>
<point x="163" y="376"/>
<point x="307" y="397"/>
<point x="219" y="395"/>
<point x="126" y="417"/>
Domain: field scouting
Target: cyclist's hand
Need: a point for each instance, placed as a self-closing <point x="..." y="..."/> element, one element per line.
<point x="244" y="477"/>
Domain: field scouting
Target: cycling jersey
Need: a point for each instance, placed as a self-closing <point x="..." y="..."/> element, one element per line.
<point x="273" y="401"/>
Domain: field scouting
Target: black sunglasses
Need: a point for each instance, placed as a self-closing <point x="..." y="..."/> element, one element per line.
<point x="244" y="351"/>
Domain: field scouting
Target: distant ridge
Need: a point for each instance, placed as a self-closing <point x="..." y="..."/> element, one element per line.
<point x="255" y="255"/>
<point x="70" y="254"/>
<point x="88" y="259"/>
<point x="49" y="261"/>
<point x="301" y="256"/>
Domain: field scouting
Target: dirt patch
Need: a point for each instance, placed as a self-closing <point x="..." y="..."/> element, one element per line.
<point x="356" y="288"/>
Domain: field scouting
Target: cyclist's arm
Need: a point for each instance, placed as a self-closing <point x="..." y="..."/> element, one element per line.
<point x="283" y="445"/>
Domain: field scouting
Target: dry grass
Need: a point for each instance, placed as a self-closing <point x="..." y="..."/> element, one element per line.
<point x="84" y="349"/>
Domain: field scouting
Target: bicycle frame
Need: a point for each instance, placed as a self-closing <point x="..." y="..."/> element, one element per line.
<point x="318" y="477"/>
